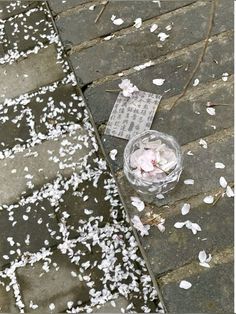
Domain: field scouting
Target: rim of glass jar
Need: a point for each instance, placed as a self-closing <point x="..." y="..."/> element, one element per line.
<point x="179" y="155"/>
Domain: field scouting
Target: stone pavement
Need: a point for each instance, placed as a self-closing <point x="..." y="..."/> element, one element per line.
<point x="192" y="60"/>
<point x="67" y="244"/>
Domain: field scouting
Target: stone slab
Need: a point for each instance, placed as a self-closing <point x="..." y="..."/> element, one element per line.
<point x="60" y="6"/>
<point x="176" y="71"/>
<point x="71" y="26"/>
<point x="26" y="219"/>
<point x="32" y="73"/>
<point x="180" y="245"/>
<point x="9" y="9"/>
<point x="7" y="301"/>
<point x="36" y="114"/>
<point x="35" y="166"/>
<point x="25" y="31"/>
<point x="126" y="51"/>
<point x="91" y="200"/>
<point x="212" y="292"/>
<point x="57" y="286"/>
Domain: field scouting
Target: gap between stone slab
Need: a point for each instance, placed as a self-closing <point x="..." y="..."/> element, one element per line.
<point x="169" y="56"/>
<point x="131" y="29"/>
<point x="142" y="251"/>
<point x="191" y="268"/>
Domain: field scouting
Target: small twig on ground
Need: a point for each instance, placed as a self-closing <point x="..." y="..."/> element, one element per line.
<point x="202" y="55"/>
<point x="211" y="104"/>
<point x="100" y="13"/>
<point x="219" y="195"/>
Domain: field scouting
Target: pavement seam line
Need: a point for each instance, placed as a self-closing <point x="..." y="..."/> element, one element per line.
<point x="130" y="29"/>
<point x="99" y="141"/>
<point x="169" y="56"/>
<point x="193" y="268"/>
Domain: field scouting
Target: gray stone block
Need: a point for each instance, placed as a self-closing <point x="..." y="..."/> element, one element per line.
<point x="32" y="73"/>
<point x="30" y="226"/>
<point x="176" y="71"/>
<point x="60" y="6"/>
<point x="212" y="292"/>
<point x="138" y="46"/>
<point x="180" y="245"/>
<point x="57" y="286"/>
<point x="11" y="8"/>
<point x="25" y="31"/>
<point x="72" y="26"/>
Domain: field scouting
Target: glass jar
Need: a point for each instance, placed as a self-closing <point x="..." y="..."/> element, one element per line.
<point x="163" y="181"/>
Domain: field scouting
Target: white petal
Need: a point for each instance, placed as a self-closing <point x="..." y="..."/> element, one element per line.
<point x="139" y="226"/>
<point x="138" y="203"/>
<point x="118" y="21"/>
<point x="202" y="256"/>
<point x="153" y="28"/>
<point x="168" y="27"/>
<point x="189" y="153"/>
<point x="161" y="227"/>
<point x="138" y="22"/>
<point x="208" y="199"/>
<point x="225" y="76"/>
<point x="223" y="182"/>
<point x="203" y="143"/>
<point x="158" y="82"/>
<point x="185" y="209"/>
<point x="196" y="82"/>
<point x="52" y="306"/>
<point x="179" y="225"/>
<point x="189" y="181"/>
<point x="160" y="196"/>
<point x="92" y="7"/>
<point x="113" y="154"/>
<point x="211" y="111"/>
<point x="229" y="191"/>
<point x="219" y="165"/>
<point x="88" y="211"/>
<point x="209" y="258"/>
<point x="205" y="264"/>
<point x="184" y="284"/>
<point x="196" y="227"/>
<point x="162" y="36"/>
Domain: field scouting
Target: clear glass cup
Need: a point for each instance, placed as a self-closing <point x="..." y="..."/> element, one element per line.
<point x="155" y="186"/>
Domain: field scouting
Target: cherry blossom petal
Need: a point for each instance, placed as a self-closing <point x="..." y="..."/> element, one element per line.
<point x="138" y="203"/>
<point x="223" y="182"/>
<point x="211" y="111"/>
<point x="208" y="199"/>
<point x="153" y="28"/>
<point x="113" y="154"/>
<point x="185" y="209"/>
<point x="184" y="284"/>
<point x="202" y="256"/>
<point x="229" y="191"/>
<point x="179" y="225"/>
<point x="219" y="165"/>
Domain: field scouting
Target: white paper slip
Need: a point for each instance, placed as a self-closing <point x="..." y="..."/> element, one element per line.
<point x="132" y="115"/>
